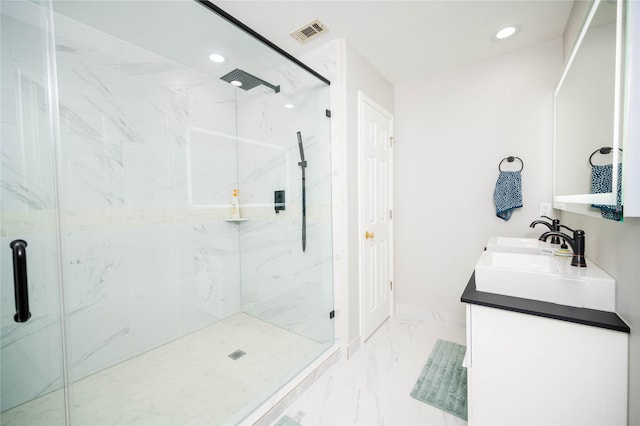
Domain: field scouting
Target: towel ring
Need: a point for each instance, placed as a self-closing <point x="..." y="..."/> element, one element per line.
<point x="603" y="150"/>
<point x="510" y="160"/>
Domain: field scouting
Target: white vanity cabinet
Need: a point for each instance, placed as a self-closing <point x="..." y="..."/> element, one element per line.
<point x="533" y="362"/>
<point x="535" y="370"/>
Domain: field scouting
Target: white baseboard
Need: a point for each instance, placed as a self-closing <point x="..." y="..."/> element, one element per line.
<point x="430" y="315"/>
<point x="353" y="347"/>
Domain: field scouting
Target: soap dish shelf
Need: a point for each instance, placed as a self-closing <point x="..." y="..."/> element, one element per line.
<point x="236" y="219"/>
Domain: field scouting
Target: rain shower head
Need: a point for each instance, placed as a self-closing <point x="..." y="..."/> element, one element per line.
<point x="247" y="80"/>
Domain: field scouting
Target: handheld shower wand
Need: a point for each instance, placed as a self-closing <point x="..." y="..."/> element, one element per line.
<point x="303" y="164"/>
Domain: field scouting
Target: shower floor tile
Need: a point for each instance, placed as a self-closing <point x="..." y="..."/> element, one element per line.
<point x="191" y="380"/>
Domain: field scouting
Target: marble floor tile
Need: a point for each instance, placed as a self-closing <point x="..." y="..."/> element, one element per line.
<point x="373" y="386"/>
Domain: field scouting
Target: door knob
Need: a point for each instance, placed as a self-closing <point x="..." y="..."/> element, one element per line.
<point x="368" y="235"/>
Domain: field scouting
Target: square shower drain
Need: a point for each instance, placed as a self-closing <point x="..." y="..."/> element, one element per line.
<point x="237" y="354"/>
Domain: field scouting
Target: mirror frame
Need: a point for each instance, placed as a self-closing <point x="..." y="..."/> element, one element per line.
<point x="579" y="203"/>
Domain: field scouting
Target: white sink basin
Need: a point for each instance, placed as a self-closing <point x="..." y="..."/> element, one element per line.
<point x="518" y="245"/>
<point x="547" y="278"/>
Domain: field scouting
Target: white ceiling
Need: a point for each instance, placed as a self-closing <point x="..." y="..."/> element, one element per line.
<point x="408" y="40"/>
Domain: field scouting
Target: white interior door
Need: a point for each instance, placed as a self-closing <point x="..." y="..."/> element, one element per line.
<point x="376" y="248"/>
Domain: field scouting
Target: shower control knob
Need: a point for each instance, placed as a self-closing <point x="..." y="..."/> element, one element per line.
<point x="368" y="235"/>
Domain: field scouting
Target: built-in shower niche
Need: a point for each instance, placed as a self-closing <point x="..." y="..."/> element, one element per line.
<point x="212" y="167"/>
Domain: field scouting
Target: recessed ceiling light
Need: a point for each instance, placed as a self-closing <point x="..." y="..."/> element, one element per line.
<point x="236" y="83"/>
<point x="218" y="59"/>
<point x="289" y="106"/>
<point x="506" y="32"/>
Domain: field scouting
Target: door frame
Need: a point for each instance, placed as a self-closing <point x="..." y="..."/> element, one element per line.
<point x="362" y="99"/>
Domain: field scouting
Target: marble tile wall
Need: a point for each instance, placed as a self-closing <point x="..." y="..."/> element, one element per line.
<point x="153" y="259"/>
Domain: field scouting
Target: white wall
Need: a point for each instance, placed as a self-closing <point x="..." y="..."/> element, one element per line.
<point x="452" y="130"/>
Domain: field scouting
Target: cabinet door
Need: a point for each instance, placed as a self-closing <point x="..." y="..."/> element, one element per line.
<point x="533" y="370"/>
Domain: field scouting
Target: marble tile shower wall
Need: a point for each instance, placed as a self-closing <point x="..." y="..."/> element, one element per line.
<point x="147" y="256"/>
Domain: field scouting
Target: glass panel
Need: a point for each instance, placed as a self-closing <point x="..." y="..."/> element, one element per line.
<point x="152" y="266"/>
<point x="286" y="282"/>
<point x="31" y="353"/>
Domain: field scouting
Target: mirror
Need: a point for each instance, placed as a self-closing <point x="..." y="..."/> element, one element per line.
<point x="587" y="118"/>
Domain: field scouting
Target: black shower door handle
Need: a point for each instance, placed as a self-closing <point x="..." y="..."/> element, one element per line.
<point x="20" y="287"/>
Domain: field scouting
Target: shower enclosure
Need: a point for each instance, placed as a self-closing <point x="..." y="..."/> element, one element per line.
<point x="122" y="144"/>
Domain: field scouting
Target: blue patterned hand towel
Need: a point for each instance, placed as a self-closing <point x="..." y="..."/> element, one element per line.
<point x="508" y="194"/>
<point x="601" y="182"/>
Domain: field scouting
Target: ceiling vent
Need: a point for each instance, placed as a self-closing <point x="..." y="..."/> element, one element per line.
<point x="309" y="31"/>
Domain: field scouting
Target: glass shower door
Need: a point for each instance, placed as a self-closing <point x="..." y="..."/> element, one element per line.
<point x="31" y="354"/>
<point x="286" y="257"/>
<point x="157" y="314"/>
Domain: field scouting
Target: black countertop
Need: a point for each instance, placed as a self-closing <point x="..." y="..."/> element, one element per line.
<point x="592" y="317"/>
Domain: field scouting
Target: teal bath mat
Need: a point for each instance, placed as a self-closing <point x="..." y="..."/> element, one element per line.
<point x="286" y="421"/>
<point x="443" y="380"/>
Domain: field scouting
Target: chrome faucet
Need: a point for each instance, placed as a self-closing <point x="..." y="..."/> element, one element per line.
<point x="553" y="226"/>
<point x="576" y="243"/>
